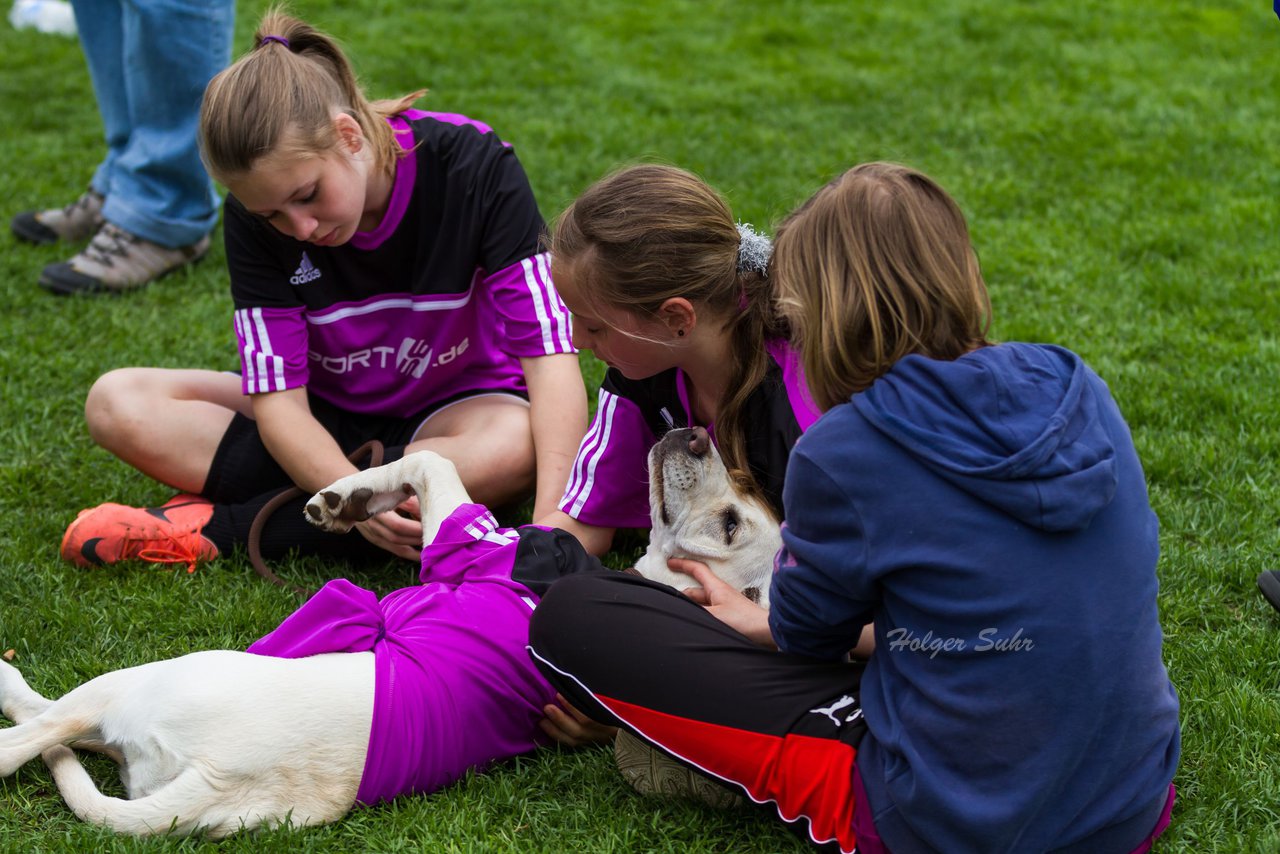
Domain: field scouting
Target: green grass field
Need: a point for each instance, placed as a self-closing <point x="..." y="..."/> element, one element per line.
<point x="1120" y="166"/>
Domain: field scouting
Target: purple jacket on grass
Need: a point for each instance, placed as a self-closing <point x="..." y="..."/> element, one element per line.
<point x="455" y="688"/>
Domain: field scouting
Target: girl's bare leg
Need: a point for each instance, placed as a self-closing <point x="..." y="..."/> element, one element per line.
<point x="490" y="442"/>
<point x="167" y="423"/>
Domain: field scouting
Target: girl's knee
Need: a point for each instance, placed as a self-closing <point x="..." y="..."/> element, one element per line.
<point x="123" y="406"/>
<point x="510" y="433"/>
<point x="514" y="446"/>
<point x="108" y="406"/>
<point x="492" y="448"/>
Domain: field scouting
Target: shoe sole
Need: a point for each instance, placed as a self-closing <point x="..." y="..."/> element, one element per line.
<point x="27" y="228"/>
<point x="66" y="289"/>
<point x="654" y="774"/>
<point x="33" y="231"/>
<point x="1269" y="584"/>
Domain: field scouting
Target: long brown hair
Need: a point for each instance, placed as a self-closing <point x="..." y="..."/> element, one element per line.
<point x="281" y="97"/>
<point x="650" y="233"/>
<point x="875" y="266"/>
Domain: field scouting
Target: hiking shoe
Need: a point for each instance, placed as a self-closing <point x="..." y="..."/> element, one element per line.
<point x="77" y="221"/>
<point x="653" y="773"/>
<point x="1269" y="584"/>
<point x="110" y="533"/>
<point x="116" y="261"/>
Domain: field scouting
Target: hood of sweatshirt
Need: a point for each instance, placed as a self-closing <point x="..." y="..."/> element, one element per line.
<point x="1015" y="425"/>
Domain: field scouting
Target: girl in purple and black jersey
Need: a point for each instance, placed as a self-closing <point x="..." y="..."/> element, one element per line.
<point x="388" y="284"/>
<point x="673" y="297"/>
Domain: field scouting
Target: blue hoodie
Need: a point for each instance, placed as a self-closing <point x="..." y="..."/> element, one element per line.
<point x="990" y="514"/>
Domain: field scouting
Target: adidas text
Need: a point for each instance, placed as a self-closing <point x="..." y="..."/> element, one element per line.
<point x="306" y="272"/>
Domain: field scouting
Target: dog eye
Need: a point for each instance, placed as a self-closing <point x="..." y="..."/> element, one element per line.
<point x="729" y="524"/>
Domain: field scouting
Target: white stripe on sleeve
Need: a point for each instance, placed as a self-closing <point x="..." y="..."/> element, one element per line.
<point x="604" y="413"/>
<point x="564" y="331"/>
<point x="539" y="306"/>
<point x="588" y="445"/>
<point x="485" y="527"/>
<point x="270" y="366"/>
<point x="248" y="348"/>
<point x="585" y="447"/>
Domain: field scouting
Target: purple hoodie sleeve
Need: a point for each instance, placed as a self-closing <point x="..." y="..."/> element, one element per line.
<point x="822" y="592"/>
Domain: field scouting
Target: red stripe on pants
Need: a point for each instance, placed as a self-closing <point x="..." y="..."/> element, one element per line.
<point x="806" y="777"/>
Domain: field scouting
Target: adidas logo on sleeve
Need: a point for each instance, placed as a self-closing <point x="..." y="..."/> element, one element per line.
<point x="306" y="272"/>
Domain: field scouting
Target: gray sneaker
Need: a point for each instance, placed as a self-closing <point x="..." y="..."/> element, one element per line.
<point x="77" y="221"/>
<point x="653" y="773"/>
<point x="116" y="261"/>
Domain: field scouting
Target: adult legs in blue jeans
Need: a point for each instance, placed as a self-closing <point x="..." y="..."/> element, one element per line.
<point x="150" y="61"/>
<point x="150" y="205"/>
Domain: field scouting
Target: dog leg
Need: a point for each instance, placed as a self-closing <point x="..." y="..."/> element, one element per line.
<point x="180" y="807"/>
<point x="176" y="807"/>
<point x="18" y="702"/>
<point x="37" y="728"/>
<point x="24" y="742"/>
<point x="439" y="489"/>
<point x="75" y="719"/>
<point x="354" y="498"/>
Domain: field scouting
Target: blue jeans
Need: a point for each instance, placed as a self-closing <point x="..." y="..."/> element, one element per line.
<point x="150" y="61"/>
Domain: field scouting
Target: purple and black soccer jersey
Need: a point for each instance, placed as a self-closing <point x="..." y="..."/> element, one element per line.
<point x="441" y="300"/>
<point x="609" y="484"/>
<point x="454" y="687"/>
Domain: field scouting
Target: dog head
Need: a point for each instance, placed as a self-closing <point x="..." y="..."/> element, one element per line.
<point x="698" y="512"/>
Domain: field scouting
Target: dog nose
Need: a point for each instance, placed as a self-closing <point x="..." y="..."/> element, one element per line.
<point x="699" y="441"/>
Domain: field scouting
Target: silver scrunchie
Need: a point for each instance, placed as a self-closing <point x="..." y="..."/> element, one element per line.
<point x="754" y="249"/>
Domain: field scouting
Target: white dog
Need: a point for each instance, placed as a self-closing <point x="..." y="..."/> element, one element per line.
<point x="698" y="513"/>
<point x="224" y="741"/>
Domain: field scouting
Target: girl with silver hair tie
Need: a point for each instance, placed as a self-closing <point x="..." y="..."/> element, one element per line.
<point x="674" y="296"/>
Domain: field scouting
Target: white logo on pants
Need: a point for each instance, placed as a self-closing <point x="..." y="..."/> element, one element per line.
<point x="843" y="703"/>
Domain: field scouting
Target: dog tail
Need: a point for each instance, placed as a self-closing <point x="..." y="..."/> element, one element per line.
<point x="180" y="807"/>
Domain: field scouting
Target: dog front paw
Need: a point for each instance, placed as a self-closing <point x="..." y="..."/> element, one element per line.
<point x="354" y="498"/>
<point x="335" y="512"/>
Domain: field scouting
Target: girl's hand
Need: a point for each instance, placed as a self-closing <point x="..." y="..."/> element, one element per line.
<point x="571" y="728"/>
<point x="724" y="603"/>
<point x="398" y="534"/>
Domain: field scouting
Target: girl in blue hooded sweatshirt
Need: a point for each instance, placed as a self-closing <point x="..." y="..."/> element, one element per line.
<point x="982" y="505"/>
